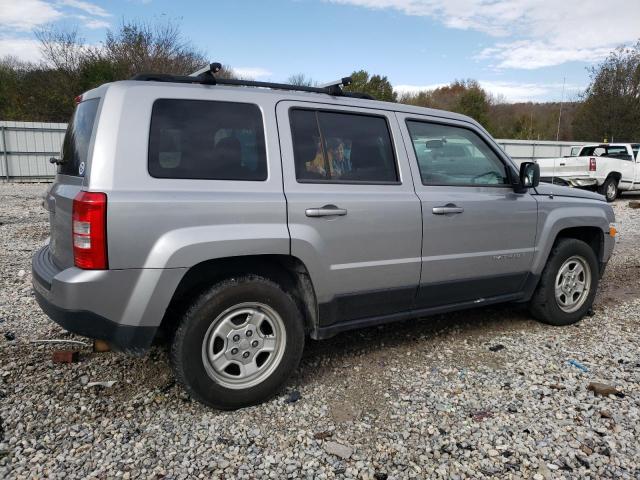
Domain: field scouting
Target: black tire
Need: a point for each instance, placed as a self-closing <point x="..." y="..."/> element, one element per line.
<point x="609" y="189"/>
<point x="187" y="355"/>
<point x="544" y="306"/>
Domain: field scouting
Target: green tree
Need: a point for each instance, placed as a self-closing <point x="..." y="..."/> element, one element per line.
<point x="377" y="86"/>
<point x="611" y="107"/>
<point x="461" y="96"/>
<point x="45" y="91"/>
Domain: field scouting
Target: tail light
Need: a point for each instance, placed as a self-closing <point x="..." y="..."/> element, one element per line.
<point x="90" y="231"/>
<point x="592" y="164"/>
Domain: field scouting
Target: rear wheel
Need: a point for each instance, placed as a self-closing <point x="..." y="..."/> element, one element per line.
<point x="609" y="189"/>
<point x="238" y="343"/>
<point x="568" y="284"/>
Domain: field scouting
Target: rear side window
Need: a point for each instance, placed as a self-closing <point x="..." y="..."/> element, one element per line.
<point x="207" y="140"/>
<point x="75" y="147"/>
<point x="342" y="147"/>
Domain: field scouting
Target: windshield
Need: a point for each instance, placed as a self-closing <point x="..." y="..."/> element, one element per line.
<point x="75" y="147"/>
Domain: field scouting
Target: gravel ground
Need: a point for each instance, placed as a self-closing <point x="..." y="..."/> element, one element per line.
<point x="478" y="394"/>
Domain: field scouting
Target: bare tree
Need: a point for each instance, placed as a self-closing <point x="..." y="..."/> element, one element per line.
<point x="301" y="80"/>
<point x="159" y="48"/>
<point x="63" y="50"/>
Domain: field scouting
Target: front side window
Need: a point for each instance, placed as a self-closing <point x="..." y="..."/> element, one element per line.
<point x="449" y="155"/>
<point x="208" y="140"/>
<point x="342" y="147"/>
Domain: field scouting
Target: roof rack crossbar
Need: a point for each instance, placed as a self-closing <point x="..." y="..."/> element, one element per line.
<point x="206" y="76"/>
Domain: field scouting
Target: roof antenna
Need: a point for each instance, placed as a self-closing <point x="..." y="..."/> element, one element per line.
<point x="333" y="88"/>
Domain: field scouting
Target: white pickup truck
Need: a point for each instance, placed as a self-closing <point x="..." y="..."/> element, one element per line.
<point x="606" y="167"/>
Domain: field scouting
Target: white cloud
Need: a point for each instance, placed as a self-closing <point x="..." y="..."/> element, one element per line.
<point x="23" y="48"/>
<point x="509" y="91"/>
<point x="26" y="14"/>
<point x="87" y="7"/>
<point x="530" y="55"/>
<point x="540" y="32"/>
<point x="400" y="89"/>
<point x="95" y="24"/>
<point x="252" y="72"/>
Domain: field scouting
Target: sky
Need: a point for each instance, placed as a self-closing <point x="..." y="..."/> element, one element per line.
<point x="521" y="50"/>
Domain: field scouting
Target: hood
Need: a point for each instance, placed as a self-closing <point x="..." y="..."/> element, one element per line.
<point x="560" y="191"/>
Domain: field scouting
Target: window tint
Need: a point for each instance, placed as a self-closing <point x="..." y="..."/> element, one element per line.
<point x="75" y="147"/>
<point x="199" y="139"/>
<point x="342" y="147"/>
<point x="450" y="155"/>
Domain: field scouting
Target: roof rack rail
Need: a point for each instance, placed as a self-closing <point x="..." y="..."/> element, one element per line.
<point x="206" y="76"/>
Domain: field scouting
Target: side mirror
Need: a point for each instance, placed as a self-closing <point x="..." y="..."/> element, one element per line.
<point x="529" y="175"/>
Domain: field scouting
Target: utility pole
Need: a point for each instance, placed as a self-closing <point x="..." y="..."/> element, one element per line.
<point x="564" y="79"/>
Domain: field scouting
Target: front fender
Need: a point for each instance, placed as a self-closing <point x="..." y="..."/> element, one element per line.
<point x="559" y="213"/>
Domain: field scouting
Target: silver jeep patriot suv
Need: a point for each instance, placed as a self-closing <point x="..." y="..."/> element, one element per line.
<point x="240" y="217"/>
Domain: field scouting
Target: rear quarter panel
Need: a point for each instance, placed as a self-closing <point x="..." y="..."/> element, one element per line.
<point x="175" y="223"/>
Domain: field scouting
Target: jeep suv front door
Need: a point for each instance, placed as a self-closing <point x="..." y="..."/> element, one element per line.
<point x="478" y="234"/>
<point x="353" y="215"/>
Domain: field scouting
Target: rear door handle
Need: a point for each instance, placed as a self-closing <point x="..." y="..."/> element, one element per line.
<point x="326" y="211"/>
<point x="448" y="208"/>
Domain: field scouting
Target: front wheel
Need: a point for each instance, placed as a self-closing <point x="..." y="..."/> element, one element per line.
<point x="609" y="189"/>
<point x="568" y="284"/>
<point x="238" y="343"/>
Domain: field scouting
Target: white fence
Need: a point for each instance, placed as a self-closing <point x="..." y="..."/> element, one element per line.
<point x="25" y="149"/>
<point x="528" y="150"/>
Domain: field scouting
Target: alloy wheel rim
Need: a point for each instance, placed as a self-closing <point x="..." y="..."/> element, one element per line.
<point x="573" y="284"/>
<point x="244" y="345"/>
<point x="611" y="190"/>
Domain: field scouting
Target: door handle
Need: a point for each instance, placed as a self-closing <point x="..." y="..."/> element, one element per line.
<point x="448" y="208"/>
<point x="326" y="211"/>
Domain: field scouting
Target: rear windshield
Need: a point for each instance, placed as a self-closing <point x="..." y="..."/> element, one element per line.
<point x="613" y="151"/>
<point x="75" y="147"/>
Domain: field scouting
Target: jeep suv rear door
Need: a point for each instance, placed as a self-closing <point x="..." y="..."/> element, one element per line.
<point x="478" y="234"/>
<point x="353" y="214"/>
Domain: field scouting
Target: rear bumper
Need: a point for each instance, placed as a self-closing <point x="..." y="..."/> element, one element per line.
<point x="122" y="307"/>
<point x="90" y="324"/>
